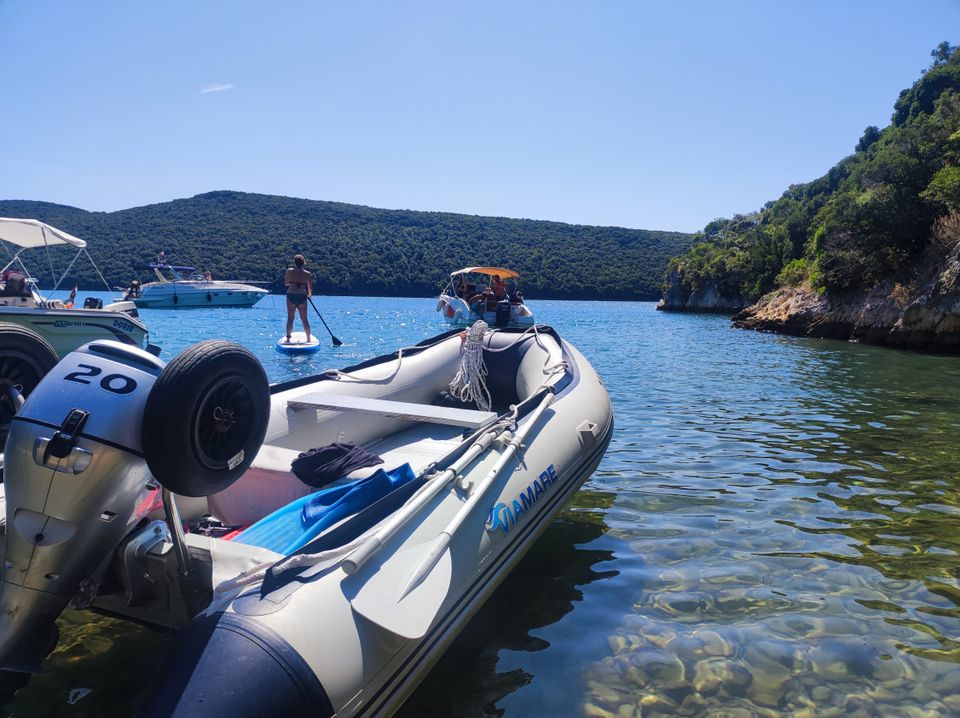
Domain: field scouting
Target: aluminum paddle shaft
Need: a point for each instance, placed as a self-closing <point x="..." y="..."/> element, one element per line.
<point x="443" y="540"/>
<point x="355" y="560"/>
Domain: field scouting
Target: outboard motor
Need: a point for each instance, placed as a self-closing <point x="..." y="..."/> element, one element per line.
<point x="73" y="476"/>
<point x="503" y="313"/>
<point x="87" y="446"/>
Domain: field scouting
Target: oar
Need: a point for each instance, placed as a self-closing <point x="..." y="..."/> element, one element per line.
<point x="336" y="342"/>
<point x="227" y="590"/>
<point x="359" y="556"/>
<point x="406" y="602"/>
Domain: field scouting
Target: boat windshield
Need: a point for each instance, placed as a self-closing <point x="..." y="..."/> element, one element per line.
<point x="173" y="272"/>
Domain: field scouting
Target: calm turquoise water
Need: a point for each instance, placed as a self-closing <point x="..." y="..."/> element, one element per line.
<point x="773" y="531"/>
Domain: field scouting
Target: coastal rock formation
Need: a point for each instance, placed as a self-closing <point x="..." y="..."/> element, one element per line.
<point x="704" y="299"/>
<point x="923" y="314"/>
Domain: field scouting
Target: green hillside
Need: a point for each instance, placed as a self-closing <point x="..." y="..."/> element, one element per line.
<point x="357" y="250"/>
<point x="869" y="218"/>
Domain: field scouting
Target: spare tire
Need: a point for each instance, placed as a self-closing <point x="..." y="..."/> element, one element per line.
<point x="205" y="418"/>
<point x="25" y="358"/>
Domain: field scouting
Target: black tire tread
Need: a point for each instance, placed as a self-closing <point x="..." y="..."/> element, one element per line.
<point x="26" y="341"/>
<point x="9" y="328"/>
<point x="166" y="437"/>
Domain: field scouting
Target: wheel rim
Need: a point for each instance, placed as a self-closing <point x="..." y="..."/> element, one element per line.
<point x="20" y="370"/>
<point x="225" y="421"/>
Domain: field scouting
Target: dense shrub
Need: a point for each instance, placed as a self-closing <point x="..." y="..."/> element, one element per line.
<point x="868" y="218"/>
<point x="358" y="250"/>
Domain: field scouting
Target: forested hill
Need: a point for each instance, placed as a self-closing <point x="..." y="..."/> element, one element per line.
<point x="871" y="218"/>
<point x="353" y="249"/>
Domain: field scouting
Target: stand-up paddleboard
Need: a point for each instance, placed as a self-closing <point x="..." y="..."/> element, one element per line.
<point x="298" y="344"/>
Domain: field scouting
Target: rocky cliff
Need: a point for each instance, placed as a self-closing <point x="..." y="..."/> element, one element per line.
<point x="704" y="299"/>
<point x="921" y="314"/>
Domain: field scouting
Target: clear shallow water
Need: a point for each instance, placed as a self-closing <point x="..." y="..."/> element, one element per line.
<point x="773" y="531"/>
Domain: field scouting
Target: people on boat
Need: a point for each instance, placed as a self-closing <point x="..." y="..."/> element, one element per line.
<point x="208" y="276"/>
<point x="485" y="301"/>
<point x="299" y="285"/>
<point x="498" y="287"/>
<point x="15" y="283"/>
<point x="133" y="291"/>
<point x="477" y="303"/>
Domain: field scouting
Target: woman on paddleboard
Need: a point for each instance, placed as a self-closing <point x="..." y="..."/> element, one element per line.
<point x="299" y="289"/>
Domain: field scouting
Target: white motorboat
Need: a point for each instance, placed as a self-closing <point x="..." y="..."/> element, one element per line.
<point x="181" y="287"/>
<point x="291" y="601"/>
<point x="63" y="325"/>
<point x="492" y="294"/>
<point x="35" y="332"/>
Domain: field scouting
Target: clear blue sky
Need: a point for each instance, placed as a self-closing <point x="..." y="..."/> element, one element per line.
<point x="660" y="115"/>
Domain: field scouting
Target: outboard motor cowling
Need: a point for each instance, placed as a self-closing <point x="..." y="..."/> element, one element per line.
<point x="73" y="475"/>
<point x="503" y="313"/>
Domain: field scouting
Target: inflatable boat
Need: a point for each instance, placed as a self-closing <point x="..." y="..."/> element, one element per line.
<point x="317" y="543"/>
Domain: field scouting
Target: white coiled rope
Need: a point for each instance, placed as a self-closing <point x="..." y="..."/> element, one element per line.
<point x="470" y="383"/>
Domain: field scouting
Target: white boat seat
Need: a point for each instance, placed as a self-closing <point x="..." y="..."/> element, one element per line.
<point x="469" y="418"/>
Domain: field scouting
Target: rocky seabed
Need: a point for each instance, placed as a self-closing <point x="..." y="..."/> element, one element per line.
<point x="656" y="669"/>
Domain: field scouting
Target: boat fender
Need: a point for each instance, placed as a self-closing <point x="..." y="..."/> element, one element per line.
<point x="205" y="418"/>
<point x="209" y="297"/>
<point x="176" y="299"/>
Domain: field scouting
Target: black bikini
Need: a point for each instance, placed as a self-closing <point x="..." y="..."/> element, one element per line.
<point x="297" y="298"/>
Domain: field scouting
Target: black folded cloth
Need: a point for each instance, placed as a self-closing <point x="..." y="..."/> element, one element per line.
<point x="325" y="464"/>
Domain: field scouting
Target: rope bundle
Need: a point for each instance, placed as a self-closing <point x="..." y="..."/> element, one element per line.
<point x="470" y="384"/>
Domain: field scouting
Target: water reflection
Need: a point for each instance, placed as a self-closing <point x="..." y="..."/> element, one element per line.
<point x="469" y="679"/>
<point x="102" y="667"/>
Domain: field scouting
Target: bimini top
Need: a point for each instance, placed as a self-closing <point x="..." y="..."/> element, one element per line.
<point x="34" y="233"/>
<point x="490" y="271"/>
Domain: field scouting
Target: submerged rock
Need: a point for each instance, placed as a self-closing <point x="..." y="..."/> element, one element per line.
<point x="657" y="704"/>
<point x="713" y="674"/>
<point x="657" y="669"/>
<point x="594" y="711"/>
<point x="603" y="693"/>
